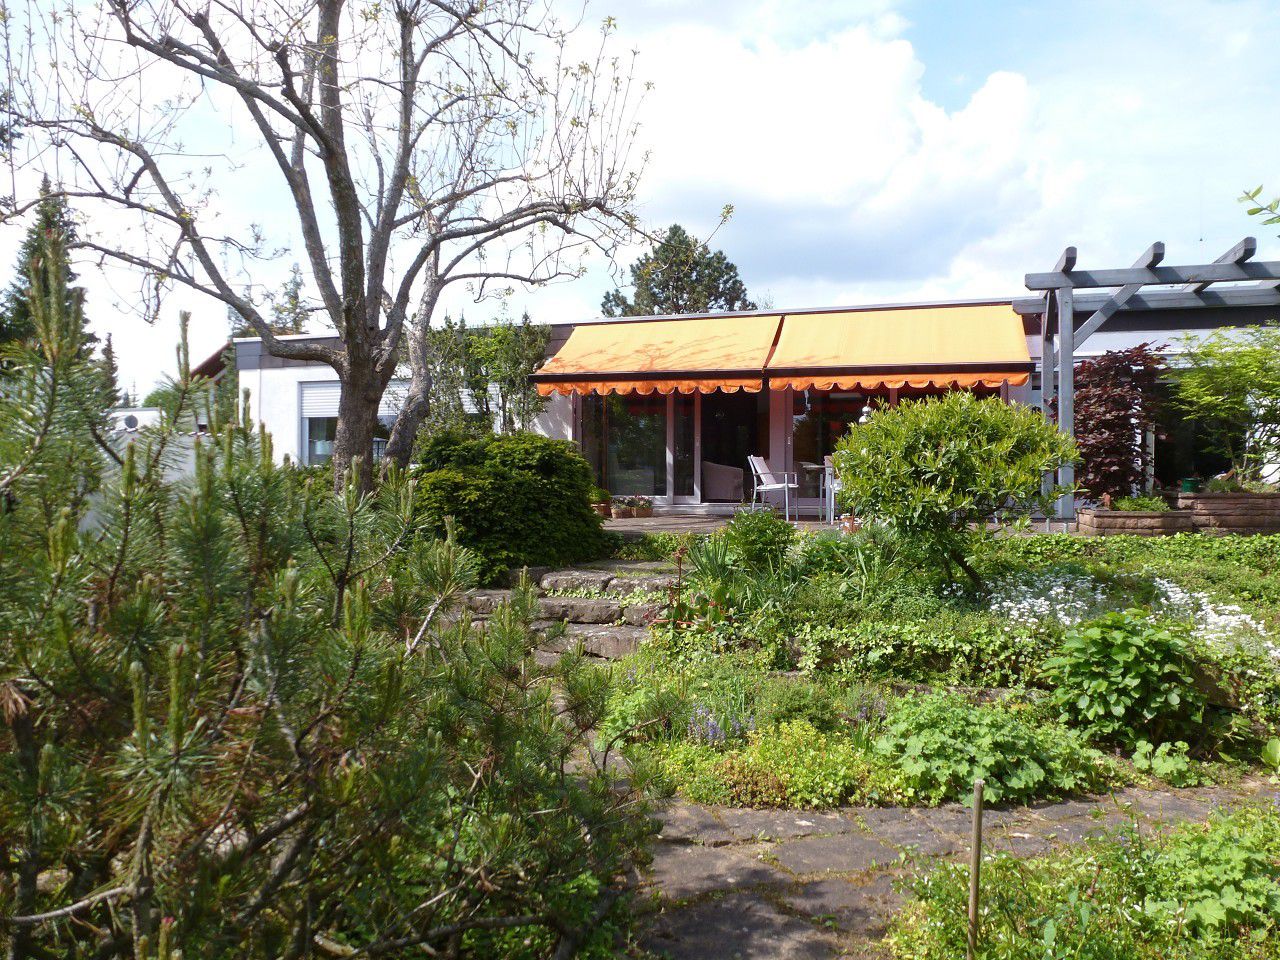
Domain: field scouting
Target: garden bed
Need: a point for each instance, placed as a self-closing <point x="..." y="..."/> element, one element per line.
<point x="1139" y="523"/>
<point x="1223" y="513"/>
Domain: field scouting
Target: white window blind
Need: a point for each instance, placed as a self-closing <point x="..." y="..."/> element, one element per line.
<point x="320" y="398"/>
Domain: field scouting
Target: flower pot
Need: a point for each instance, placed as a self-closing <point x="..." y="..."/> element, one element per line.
<point x="602" y="509"/>
<point x="644" y="511"/>
<point x="1223" y="513"/>
<point x="620" y="513"/>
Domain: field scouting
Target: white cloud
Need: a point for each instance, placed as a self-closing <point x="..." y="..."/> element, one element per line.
<point x="851" y="184"/>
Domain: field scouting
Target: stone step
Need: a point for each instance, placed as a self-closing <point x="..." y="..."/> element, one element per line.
<point x="587" y="610"/>
<point x="607" y="641"/>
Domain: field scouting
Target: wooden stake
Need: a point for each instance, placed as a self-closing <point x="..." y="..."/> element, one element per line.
<point x="975" y="869"/>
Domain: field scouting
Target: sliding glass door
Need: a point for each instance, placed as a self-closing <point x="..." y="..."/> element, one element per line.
<point x="625" y="439"/>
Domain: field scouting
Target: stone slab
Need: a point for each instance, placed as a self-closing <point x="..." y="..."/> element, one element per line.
<point x="841" y="853"/>
<point x="564" y="580"/>
<point x="682" y="871"/>
<point x="691" y="823"/>
<point x="857" y="907"/>
<point x="742" y="926"/>
<point x="782" y="824"/>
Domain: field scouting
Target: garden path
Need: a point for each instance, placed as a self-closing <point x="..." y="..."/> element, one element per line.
<point x="735" y="884"/>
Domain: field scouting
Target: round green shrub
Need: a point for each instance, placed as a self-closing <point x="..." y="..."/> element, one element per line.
<point x="517" y="500"/>
<point x="1125" y="677"/>
<point x="758" y="539"/>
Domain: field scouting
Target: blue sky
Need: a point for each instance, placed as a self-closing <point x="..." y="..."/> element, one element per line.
<point x="889" y="150"/>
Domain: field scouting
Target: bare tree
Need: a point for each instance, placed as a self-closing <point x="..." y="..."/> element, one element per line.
<point x="419" y="143"/>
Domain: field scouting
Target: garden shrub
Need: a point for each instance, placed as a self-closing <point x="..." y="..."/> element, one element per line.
<point x="1125" y="677"/>
<point x="792" y="765"/>
<point x="942" y="744"/>
<point x="757" y="539"/>
<point x="1169" y="762"/>
<point x="1141" y="502"/>
<point x="517" y="500"/>
<point x="781" y="703"/>
<point x="1205" y="892"/>
<point x="935" y="470"/>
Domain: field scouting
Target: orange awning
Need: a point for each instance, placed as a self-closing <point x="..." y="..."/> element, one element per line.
<point x="936" y="346"/>
<point x="694" y="355"/>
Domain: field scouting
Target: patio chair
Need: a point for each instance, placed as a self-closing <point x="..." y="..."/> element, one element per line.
<point x="830" y="487"/>
<point x="767" y="486"/>
<point x="721" y="482"/>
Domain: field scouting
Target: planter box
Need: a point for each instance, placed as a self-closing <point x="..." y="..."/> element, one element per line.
<point x="1138" y="523"/>
<point x="1223" y="513"/>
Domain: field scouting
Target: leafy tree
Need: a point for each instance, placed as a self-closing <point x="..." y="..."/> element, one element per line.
<point x="52" y="219"/>
<point x="242" y="716"/>
<point x="679" y="275"/>
<point x="288" y="310"/>
<point x="1118" y="401"/>
<point x="422" y="147"/>
<point x="938" y="470"/>
<point x="480" y="375"/>
<point x="499" y="359"/>
<point x="1229" y="382"/>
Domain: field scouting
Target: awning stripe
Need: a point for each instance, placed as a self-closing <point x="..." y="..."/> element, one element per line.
<point x="646" y="387"/>
<point x="942" y="381"/>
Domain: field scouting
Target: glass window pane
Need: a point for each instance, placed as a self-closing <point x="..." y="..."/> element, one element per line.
<point x="636" y="445"/>
<point x="683" y="406"/>
<point x="320" y="435"/>
<point x="819" y="418"/>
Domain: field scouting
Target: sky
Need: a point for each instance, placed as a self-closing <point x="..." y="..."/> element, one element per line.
<point x="897" y="150"/>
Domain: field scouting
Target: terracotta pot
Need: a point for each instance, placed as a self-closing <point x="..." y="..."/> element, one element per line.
<point x="643" y="511"/>
<point x="602" y="509"/>
<point x="1222" y="513"/>
<point x="620" y="513"/>
<point x="1138" y="523"/>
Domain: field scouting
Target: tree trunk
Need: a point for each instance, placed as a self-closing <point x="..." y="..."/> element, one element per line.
<point x="357" y="417"/>
<point x="417" y="404"/>
<point x="412" y="416"/>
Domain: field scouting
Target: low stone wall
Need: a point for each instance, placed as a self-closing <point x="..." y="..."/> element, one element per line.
<point x="1223" y="513"/>
<point x="1139" y="523"/>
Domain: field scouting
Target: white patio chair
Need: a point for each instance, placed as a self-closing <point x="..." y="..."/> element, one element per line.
<point x="767" y="486"/>
<point x="830" y="487"/>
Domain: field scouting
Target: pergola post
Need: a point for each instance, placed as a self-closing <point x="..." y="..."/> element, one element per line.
<point x="1054" y="300"/>
<point x="1066" y="394"/>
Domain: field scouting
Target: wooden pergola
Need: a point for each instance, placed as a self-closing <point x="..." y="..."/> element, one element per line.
<point x="1234" y="280"/>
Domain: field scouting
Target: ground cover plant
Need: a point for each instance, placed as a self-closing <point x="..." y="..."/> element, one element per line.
<point x="1108" y="660"/>
<point x="1205" y="892"/>
<point x="243" y="716"/>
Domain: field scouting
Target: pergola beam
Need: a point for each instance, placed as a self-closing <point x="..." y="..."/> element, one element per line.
<point x="1196" y="274"/>
<point x="1242" y="251"/>
<point x="1152" y="258"/>
<point x="1262" y="294"/>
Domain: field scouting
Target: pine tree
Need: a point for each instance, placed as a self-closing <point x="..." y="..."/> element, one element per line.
<point x="680" y="275"/>
<point x="52" y="218"/>
<point x="246" y="715"/>
<point x="111" y="371"/>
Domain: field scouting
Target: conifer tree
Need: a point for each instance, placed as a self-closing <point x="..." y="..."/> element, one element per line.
<point x="245" y="715"/>
<point x="52" y="218"/>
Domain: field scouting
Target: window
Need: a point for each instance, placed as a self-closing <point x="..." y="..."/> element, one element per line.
<point x="320" y="434"/>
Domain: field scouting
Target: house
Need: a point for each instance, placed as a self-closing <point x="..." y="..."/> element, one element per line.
<point x="673" y="407"/>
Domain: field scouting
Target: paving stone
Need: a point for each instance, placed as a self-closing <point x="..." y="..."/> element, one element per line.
<point x="842" y="853"/>
<point x="918" y="838"/>
<point x="783" y="824"/>
<point x="863" y="908"/>
<point x="1020" y="843"/>
<point x="1062" y="811"/>
<point x="742" y="926"/>
<point x="579" y="609"/>
<point x="565" y="580"/>
<point x="681" y="871"/>
<point x="691" y="823"/>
